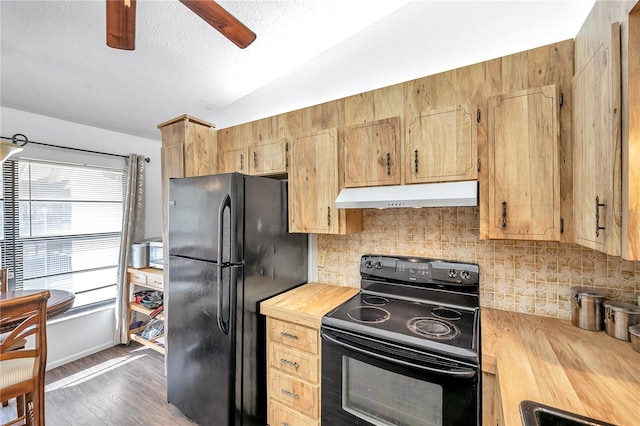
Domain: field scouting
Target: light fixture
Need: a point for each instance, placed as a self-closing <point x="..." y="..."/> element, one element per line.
<point x="8" y="149"/>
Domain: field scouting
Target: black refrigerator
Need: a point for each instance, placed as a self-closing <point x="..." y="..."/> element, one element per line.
<point x="229" y="249"/>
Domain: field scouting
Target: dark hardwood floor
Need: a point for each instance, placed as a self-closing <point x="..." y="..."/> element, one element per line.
<point x="123" y="385"/>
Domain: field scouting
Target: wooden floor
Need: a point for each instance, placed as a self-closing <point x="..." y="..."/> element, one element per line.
<point x="123" y="385"/>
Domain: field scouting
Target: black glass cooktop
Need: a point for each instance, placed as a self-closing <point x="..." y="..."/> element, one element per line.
<point x="444" y="329"/>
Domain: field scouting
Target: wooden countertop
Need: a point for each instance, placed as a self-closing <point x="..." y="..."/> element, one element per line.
<point x="309" y="302"/>
<point x="552" y="362"/>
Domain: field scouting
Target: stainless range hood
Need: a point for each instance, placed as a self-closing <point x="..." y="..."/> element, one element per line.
<point x="449" y="194"/>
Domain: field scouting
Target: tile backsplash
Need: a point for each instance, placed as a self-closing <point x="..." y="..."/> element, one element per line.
<point x="522" y="276"/>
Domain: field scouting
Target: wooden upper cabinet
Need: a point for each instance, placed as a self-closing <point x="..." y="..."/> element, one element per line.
<point x="371" y="153"/>
<point x="313" y="183"/>
<point x="233" y="151"/>
<point x="197" y="138"/>
<point x="234" y="160"/>
<point x="188" y="149"/>
<point x="268" y="157"/>
<point x="524" y="171"/>
<point x="441" y="145"/>
<point x="597" y="149"/>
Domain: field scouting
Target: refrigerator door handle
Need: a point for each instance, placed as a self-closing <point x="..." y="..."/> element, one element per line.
<point x="222" y="324"/>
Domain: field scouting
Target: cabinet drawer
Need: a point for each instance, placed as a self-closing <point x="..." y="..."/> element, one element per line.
<point x="294" y="362"/>
<point x="155" y="281"/>
<point x="279" y="415"/>
<point x="137" y="277"/>
<point x="293" y="335"/>
<point x="294" y="393"/>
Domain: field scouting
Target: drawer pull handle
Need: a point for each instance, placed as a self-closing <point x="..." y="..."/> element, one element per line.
<point x="284" y="424"/>
<point x="290" y="363"/>
<point x="290" y="336"/>
<point x="291" y="394"/>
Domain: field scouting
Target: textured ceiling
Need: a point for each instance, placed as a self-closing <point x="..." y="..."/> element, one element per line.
<point x="55" y="61"/>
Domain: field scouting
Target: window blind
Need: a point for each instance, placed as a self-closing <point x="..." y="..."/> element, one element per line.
<point x="62" y="227"/>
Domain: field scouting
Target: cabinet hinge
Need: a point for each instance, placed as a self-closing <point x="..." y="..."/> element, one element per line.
<point x="478" y="116"/>
<point x="478" y="165"/>
<point x="286" y="147"/>
<point x="561" y="100"/>
<point x="562" y="225"/>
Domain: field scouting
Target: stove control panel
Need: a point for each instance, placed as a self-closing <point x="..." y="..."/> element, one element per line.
<point x="419" y="270"/>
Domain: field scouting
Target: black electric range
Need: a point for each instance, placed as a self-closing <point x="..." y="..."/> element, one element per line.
<point x="427" y="304"/>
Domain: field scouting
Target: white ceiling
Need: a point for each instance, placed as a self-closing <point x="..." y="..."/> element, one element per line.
<point x="55" y="61"/>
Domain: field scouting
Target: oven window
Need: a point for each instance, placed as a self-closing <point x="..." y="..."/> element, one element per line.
<point x="382" y="397"/>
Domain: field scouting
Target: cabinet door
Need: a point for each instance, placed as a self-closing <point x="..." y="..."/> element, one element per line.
<point x="233" y="150"/>
<point x="172" y="158"/>
<point x="313" y="183"/>
<point x="441" y="145"/>
<point x="371" y="153"/>
<point x="199" y="150"/>
<point x="268" y="158"/>
<point x="524" y="173"/>
<point x="597" y="150"/>
<point x="234" y="161"/>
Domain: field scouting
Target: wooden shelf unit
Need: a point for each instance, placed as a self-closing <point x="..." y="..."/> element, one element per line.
<point x="144" y="279"/>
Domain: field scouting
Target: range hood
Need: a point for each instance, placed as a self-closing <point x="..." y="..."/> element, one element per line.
<point x="449" y="194"/>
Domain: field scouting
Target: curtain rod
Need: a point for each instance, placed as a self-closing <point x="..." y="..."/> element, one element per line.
<point x="21" y="140"/>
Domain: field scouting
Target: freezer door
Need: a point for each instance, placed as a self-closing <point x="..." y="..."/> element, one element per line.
<point x="205" y="213"/>
<point x="201" y="358"/>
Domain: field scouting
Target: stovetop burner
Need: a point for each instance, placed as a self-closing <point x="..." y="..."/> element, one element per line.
<point x="369" y="314"/>
<point x="375" y="300"/>
<point x="446" y="313"/>
<point x="433" y="328"/>
<point x="425" y="304"/>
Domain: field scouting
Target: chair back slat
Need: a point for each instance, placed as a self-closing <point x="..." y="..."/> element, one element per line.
<point x="33" y="308"/>
<point x="3" y="279"/>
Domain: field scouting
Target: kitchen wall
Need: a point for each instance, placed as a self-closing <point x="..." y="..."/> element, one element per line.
<point x="75" y="336"/>
<point x="522" y="276"/>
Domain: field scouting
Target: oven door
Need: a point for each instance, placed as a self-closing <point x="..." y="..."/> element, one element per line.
<point x="368" y="382"/>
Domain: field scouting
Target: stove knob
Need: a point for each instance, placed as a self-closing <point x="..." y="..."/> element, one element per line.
<point x="452" y="273"/>
<point x="378" y="265"/>
<point x="368" y="264"/>
<point x="465" y="275"/>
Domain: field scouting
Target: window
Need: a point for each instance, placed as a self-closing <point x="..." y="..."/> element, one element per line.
<point x="62" y="227"/>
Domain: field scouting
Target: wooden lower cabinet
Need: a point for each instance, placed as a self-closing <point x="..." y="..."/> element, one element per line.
<point x="293" y="351"/>
<point x="293" y="375"/>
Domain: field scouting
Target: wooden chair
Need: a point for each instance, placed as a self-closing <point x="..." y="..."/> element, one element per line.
<point x="3" y="279"/>
<point x="22" y="370"/>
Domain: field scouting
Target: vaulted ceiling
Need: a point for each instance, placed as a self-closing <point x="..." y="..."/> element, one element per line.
<point x="55" y="61"/>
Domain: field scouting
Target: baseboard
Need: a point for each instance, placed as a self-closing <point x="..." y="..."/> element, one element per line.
<point x="79" y="355"/>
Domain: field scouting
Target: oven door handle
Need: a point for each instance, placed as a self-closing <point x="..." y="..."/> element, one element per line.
<point x="465" y="373"/>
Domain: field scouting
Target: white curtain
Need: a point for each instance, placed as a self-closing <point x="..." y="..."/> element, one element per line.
<point x="132" y="230"/>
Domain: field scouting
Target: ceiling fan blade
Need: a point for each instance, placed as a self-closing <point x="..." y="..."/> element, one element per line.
<point x="220" y="19"/>
<point x="121" y="24"/>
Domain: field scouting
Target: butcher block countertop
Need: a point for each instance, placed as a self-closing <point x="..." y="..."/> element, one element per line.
<point x="555" y="363"/>
<point x="309" y="302"/>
